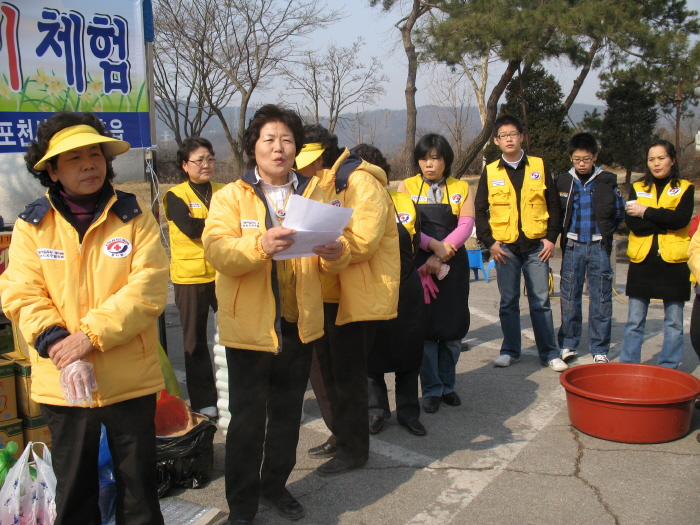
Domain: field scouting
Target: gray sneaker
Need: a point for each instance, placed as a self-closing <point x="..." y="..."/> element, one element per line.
<point x="601" y="358"/>
<point x="567" y="354"/>
<point x="557" y="365"/>
<point x="505" y="360"/>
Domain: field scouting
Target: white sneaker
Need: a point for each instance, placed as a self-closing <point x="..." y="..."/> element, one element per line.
<point x="567" y="354"/>
<point x="601" y="358"/>
<point x="557" y="365"/>
<point x="505" y="360"/>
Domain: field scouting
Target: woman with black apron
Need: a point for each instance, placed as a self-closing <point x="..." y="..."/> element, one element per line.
<point x="446" y="211"/>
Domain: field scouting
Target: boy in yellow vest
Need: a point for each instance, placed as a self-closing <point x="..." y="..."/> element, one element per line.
<point x="517" y="218"/>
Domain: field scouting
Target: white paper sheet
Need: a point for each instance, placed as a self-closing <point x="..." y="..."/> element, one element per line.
<point x="316" y="224"/>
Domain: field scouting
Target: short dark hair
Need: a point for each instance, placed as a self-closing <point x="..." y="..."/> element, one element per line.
<point x="373" y="156"/>
<point x="648" y="178"/>
<point x="317" y="133"/>
<point x="433" y="141"/>
<point x="266" y="114"/>
<point x="46" y="130"/>
<point x="506" y="120"/>
<point x="583" y="142"/>
<point x="189" y="145"/>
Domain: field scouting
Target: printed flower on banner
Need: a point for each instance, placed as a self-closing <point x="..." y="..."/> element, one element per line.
<point x="42" y="78"/>
<point x="5" y="91"/>
<point x="95" y="88"/>
<point x="56" y="87"/>
<point x="44" y="107"/>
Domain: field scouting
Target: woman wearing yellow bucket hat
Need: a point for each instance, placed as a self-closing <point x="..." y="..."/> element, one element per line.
<point x="88" y="279"/>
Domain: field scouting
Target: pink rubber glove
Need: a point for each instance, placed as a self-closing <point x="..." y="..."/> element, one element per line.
<point x="429" y="288"/>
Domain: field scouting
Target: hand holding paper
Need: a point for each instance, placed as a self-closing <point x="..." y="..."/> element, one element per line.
<point x="317" y="226"/>
<point x="277" y="239"/>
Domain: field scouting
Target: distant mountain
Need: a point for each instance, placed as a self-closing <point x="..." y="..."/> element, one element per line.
<point x="384" y="128"/>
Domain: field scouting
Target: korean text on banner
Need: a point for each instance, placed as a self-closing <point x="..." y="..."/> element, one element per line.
<point x="77" y="56"/>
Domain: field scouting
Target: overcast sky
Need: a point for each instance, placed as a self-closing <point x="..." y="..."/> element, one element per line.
<point x="381" y="38"/>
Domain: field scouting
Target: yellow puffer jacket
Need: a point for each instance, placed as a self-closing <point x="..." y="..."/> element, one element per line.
<point x="112" y="287"/>
<point x="369" y="288"/>
<point x="188" y="265"/>
<point x="246" y="287"/>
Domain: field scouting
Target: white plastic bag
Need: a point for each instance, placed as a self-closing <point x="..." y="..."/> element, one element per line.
<point x="24" y="501"/>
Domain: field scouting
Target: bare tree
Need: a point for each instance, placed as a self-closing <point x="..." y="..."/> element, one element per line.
<point x="336" y="79"/>
<point x="453" y="106"/>
<point x="187" y="85"/>
<point x="249" y="41"/>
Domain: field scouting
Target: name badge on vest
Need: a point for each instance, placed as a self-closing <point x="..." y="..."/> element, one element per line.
<point x="563" y="194"/>
<point x="250" y="224"/>
<point x="498" y="182"/>
<point x="417" y="198"/>
<point x="195" y="205"/>
<point x="674" y="191"/>
<point x="643" y="194"/>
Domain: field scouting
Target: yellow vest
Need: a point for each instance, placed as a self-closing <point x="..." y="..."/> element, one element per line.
<point x="405" y="211"/>
<point x="503" y="207"/>
<point x="187" y="262"/>
<point x="673" y="245"/>
<point x="456" y="190"/>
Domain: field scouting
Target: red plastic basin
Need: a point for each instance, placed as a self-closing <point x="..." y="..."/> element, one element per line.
<point x="630" y="403"/>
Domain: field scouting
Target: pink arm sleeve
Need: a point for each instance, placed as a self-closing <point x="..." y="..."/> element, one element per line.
<point x="461" y="233"/>
<point x="424" y="240"/>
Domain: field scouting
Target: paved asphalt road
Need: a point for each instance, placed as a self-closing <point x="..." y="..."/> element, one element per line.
<point x="508" y="455"/>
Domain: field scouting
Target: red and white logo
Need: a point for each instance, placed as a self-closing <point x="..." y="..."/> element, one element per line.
<point x="336" y="203"/>
<point x="456" y="198"/>
<point x="535" y="175"/>
<point x="117" y="248"/>
<point x="674" y="191"/>
<point x="404" y="217"/>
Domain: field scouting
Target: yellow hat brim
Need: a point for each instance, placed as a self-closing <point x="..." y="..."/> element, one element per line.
<point x="309" y="153"/>
<point x="78" y="136"/>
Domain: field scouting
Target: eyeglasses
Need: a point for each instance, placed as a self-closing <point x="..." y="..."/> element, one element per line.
<point x="512" y="134"/>
<point x="200" y="162"/>
<point x="578" y="160"/>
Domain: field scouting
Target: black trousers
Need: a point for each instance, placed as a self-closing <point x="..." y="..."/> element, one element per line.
<point x="266" y="393"/>
<point x="193" y="301"/>
<point x="131" y="434"/>
<point x="342" y="361"/>
<point x="406" y="391"/>
<point x="320" y="390"/>
<point x="695" y="325"/>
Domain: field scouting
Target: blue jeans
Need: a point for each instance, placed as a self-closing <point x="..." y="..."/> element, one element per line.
<point x="438" y="372"/>
<point x="581" y="258"/>
<point x="672" y="347"/>
<point x="536" y="275"/>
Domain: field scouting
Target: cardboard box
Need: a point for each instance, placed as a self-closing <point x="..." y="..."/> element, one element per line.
<point x="4" y="250"/>
<point x="19" y="342"/>
<point x="23" y="385"/>
<point x="36" y="429"/>
<point x="8" y="397"/>
<point x="7" y="342"/>
<point x="12" y="431"/>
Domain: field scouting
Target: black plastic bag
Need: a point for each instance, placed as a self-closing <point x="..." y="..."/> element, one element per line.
<point x="185" y="461"/>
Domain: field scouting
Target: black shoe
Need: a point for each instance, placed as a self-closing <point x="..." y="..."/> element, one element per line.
<point x="287" y="506"/>
<point x="414" y="426"/>
<point x="375" y="424"/>
<point x="451" y="399"/>
<point x="323" y="451"/>
<point x="335" y="467"/>
<point x="431" y="404"/>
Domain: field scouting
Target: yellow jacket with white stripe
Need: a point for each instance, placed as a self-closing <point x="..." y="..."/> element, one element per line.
<point x="112" y="286"/>
<point x="246" y="281"/>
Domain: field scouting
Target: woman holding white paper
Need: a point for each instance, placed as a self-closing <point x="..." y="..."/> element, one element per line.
<point x="268" y="313"/>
